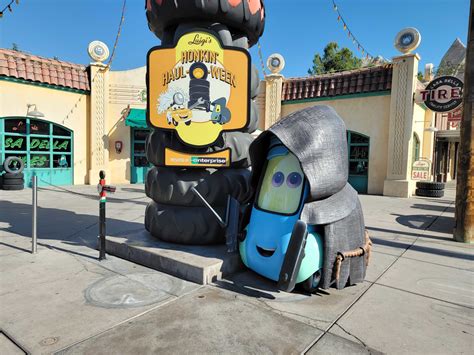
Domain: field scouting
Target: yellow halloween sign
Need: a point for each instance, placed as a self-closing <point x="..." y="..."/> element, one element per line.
<point x="198" y="88"/>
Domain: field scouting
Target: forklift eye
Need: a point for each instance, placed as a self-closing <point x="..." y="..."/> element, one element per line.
<point x="277" y="179"/>
<point x="294" y="180"/>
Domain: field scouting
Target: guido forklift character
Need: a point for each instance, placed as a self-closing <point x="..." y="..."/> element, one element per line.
<point x="305" y="217"/>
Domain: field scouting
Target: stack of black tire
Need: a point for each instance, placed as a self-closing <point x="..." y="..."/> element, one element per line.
<point x="175" y="214"/>
<point x="13" y="178"/>
<point x="429" y="189"/>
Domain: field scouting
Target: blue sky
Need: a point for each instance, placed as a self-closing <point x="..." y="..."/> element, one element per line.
<point x="63" y="28"/>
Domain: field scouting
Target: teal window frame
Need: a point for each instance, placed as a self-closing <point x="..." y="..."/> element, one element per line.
<point x="28" y="135"/>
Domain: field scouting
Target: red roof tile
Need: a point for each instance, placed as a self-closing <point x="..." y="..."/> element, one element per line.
<point x="336" y="84"/>
<point x="26" y="66"/>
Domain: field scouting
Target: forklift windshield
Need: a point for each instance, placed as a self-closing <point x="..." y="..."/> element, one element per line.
<point x="281" y="188"/>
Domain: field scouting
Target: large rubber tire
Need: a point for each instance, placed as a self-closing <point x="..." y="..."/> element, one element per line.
<point x="254" y="82"/>
<point x="311" y="284"/>
<point x="173" y="185"/>
<point x="238" y="142"/>
<point x="166" y="15"/>
<point x="430" y="185"/>
<point x="13" y="187"/>
<point x="168" y="38"/>
<point x="241" y="41"/>
<point x="429" y="193"/>
<point x="183" y="225"/>
<point x="13" y="176"/>
<point x="9" y="160"/>
<point x="11" y="182"/>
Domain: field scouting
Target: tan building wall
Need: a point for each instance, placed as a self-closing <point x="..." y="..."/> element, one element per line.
<point x="367" y="115"/>
<point x="125" y="89"/>
<point x="421" y="120"/>
<point x="69" y="109"/>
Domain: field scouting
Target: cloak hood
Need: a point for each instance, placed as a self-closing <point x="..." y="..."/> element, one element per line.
<point x="317" y="137"/>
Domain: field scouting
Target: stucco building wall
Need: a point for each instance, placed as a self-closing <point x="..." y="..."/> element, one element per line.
<point x="368" y="115"/>
<point x="125" y="90"/>
<point x="69" y="109"/>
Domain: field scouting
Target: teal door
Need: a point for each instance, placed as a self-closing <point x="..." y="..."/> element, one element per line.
<point x="358" y="147"/>
<point x="45" y="147"/>
<point x="139" y="163"/>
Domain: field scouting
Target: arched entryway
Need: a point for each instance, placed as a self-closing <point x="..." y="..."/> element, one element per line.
<point x="358" y="146"/>
<point x="45" y="147"/>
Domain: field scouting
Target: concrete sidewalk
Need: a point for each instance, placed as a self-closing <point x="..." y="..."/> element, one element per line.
<point x="418" y="296"/>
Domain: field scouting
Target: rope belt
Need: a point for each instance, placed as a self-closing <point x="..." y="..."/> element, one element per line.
<point x="365" y="250"/>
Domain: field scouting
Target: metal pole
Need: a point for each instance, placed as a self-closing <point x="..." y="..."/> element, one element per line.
<point x="35" y="205"/>
<point x="102" y="229"/>
<point x="464" y="214"/>
<point x="222" y="223"/>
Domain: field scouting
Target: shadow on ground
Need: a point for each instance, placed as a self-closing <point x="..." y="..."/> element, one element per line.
<point x="57" y="224"/>
<point x="441" y="224"/>
<point x="93" y="196"/>
<point x="436" y="208"/>
<point x="423" y="249"/>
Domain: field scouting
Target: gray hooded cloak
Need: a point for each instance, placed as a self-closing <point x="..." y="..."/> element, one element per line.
<point x="317" y="137"/>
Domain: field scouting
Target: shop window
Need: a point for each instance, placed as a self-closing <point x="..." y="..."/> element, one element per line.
<point x="416" y="147"/>
<point x="16" y="125"/>
<point x="140" y="134"/>
<point x="59" y="131"/>
<point x="61" y="161"/>
<point x="39" y="144"/>
<point x="357" y="138"/>
<point x="358" y="147"/>
<point x="39" y="161"/>
<point x="358" y="167"/>
<point x="15" y="143"/>
<point x="140" y="161"/>
<point x="359" y="152"/>
<point x="39" y="127"/>
<point x="139" y="148"/>
<point x="22" y="156"/>
<point x="61" y="145"/>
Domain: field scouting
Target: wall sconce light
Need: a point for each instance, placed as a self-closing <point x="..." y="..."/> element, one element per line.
<point x="33" y="113"/>
<point x="118" y="147"/>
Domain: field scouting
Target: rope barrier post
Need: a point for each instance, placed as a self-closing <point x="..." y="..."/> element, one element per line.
<point x="102" y="188"/>
<point x="34" y="181"/>
<point x="102" y="227"/>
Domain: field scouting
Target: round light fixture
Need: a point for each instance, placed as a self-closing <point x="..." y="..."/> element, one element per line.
<point x="98" y="51"/>
<point x="407" y="40"/>
<point x="275" y="63"/>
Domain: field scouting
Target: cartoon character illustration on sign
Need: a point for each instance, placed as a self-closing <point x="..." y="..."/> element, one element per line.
<point x="199" y="100"/>
<point x="177" y="112"/>
<point x="305" y="225"/>
<point x="204" y="72"/>
<point x="220" y="113"/>
<point x="199" y="87"/>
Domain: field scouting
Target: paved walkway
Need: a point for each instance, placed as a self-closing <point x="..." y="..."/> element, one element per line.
<point x="418" y="295"/>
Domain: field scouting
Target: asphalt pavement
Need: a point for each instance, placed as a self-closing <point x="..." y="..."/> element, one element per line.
<point x="417" y="298"/>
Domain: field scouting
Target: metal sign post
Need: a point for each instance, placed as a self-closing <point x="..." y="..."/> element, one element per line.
<point x="34" y="214"/>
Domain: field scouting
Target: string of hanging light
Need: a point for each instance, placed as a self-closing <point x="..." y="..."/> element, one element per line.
<point x="9" y="7"/>
<point x="109" y="63"/>
<point x="350" y="34"/>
